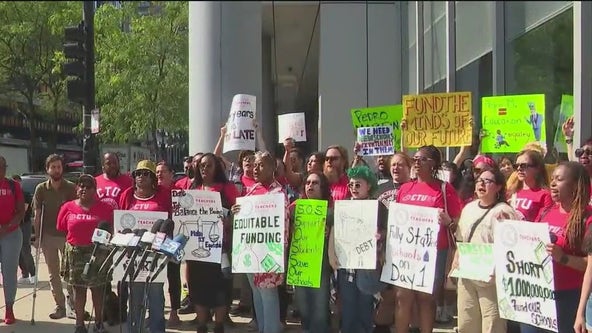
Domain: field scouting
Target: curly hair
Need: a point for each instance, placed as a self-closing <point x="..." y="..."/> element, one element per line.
<point x="364" y="172"/>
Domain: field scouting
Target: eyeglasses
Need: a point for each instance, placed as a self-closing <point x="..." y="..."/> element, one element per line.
<point x="143" y="173"/>
<point x="485" y="181"/>
<point x="523" y="166"/>
<point x="421" y="159"/>
<point x="354" y="185"/>
<point x="580" y="151"/>
<point x="332" y="158"/>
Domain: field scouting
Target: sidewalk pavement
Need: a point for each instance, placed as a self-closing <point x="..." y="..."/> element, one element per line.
<point x="45" y="305"/>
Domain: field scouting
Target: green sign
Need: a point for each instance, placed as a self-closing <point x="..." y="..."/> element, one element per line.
<point x="308" y="241"/>
<point x="510" y="122"/>
<point x="475" y="262"/>
<point x="565" y="112"/>
<point x="388" y="115"/>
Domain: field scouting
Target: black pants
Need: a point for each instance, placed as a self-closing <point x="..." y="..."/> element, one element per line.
<point x="26" y="262"/>
<point x="174" y="279"/>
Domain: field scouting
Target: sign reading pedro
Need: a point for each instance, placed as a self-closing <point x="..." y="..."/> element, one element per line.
<point x="510" y="122"/>
<point x="388" y="115"/>
<point x="442" y="120"/>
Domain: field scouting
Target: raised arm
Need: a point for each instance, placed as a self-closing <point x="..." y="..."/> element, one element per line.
<point x="294" y="178"/>
<point x="568" y="133"/>
<point x="220" y="147"/>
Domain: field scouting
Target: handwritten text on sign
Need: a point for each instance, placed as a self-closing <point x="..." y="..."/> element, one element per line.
<point x="475" y="262"/>
<point x="375" y="140"/>
<point x="442" y="120"/>
<point x="524" y="274"/>
<point x="292" y="125"/>
<point x="388" y="115"/>
<point x="355" y="233"/>
<point x="306" y="249"/>
<point x="258" y="234"/>
<point x="411" y="247"/>
<point x="240" y="129"/>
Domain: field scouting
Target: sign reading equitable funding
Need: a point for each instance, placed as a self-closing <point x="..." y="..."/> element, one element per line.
<point x="442" y="120"/>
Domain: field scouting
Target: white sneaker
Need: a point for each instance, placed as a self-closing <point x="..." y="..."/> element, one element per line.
<point x="25" y="281"/>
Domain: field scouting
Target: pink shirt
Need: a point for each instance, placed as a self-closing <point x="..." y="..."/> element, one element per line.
<point x="430" y="195"/>
<point x="271" y="280"/>
<point x="79" y="223"/>
<point x="183" y="183"/>
<point x="340" y="190"/>
<point x="566" y="278"/>
<point x="159" y="202"/>
<point x="109" y="190"/>
<point x="530" y="203"/>
<point x="8" y="201"/>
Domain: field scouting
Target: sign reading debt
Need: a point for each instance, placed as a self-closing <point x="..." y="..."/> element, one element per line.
<point x="258" y="234"/>
<point x="308" y="241"/>
<point x="510" y="122"/>
<point x="442" y="120"/>
<point x="388" y="115"/>
<point x="375" y="140"/>
<point x="411" y="247"/>
<point x="355" y="233"/>
<point x="240" y="127"/>
<point x="524" y="274"/>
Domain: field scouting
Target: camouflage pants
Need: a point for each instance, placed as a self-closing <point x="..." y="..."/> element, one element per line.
<point x="73" y="262"/>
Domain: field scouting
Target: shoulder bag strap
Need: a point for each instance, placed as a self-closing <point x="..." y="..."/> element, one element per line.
<point x="476" y="224"/>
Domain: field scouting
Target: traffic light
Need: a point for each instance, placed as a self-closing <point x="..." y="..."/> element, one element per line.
<point x="76" y="50"/>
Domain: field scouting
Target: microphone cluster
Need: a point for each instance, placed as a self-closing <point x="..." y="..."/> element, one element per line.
<point x="156" y="243"/>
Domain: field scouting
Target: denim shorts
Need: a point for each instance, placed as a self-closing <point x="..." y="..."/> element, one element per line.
<point x="589" y="313"/>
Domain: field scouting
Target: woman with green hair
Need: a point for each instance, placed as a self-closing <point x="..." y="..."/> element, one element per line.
<point x="357" y="287"/>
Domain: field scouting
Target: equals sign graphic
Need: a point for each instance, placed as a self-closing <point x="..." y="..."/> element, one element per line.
<point x="502" y="111"/>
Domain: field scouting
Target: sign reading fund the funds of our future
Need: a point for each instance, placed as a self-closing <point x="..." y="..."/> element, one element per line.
<point x="240" y="127"/>
<point x="411" y="247"/>
<point x="199" y="215"/>
<point x="388" y="115"/>
<point x="375" y="141"/>
<point x="510" y="122"/>
<point x="442" y="120"/>
<point x="355" y="233"/>
<point x="308" y="241"/>
<point x="258" y="234"/>
<point x="524" y="274"/>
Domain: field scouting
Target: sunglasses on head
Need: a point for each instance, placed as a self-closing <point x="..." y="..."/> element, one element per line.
<point x="523" y="166"/>
<point x="580" y="151"/>
<point x="143" y="173"/>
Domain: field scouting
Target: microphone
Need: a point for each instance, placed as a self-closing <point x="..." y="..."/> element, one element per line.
<point x="147" y="240"/>
<point x="100" y="238"/>
<point x="119" y="241"/>
<point x="135" y="251"/>
<point x="173" y="250"/>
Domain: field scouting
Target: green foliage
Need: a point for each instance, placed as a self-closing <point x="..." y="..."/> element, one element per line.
<point x="141" y="70"/>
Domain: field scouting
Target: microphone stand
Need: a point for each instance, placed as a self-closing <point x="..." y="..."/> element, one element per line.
<point x="147" y="286"/>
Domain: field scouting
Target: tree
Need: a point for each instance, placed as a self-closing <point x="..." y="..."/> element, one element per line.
<point x="141" y="70"/>
<point x="30" y="36"/>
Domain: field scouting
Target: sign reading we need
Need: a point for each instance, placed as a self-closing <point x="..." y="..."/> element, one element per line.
<point x="442" y="120"/>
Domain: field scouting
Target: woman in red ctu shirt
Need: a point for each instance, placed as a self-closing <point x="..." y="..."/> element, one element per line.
<point x="428" y="191"/>
<point x="530" y="195"/>
<point x="78" y="219"/>
<point x="568" y="220"/>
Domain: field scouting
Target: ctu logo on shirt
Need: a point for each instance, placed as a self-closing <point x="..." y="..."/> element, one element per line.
<point x="419" y="197"/>
<point x="108" y="191"/>
<point x="142" y="206"/>
<point x="522" y="203"/>
<point x="81" y="217"/>
<point x="559" y="231"/>
<point x="4" y="192"/>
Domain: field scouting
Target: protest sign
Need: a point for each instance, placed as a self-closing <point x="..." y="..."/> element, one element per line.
<point x="388" y="115"/>
<point x="375" y="141"/>
<point x="119" y="270"/>
<point x="136" y="219"/>
<point x="475" y="262"/>
<point x="565" y="111"/>
<point x="198" y="215"/>
<point x="442" y="120"/>
<point x="524" y="274"/>
<point x="258" y="234"/>
<point x="411" y="247"/>
<point x="308" y="241"/>
<point x="240" y="128"/>
<point x="510" y="122"/>
<point x="355" y="233"/>
<point x="292" y="125"/>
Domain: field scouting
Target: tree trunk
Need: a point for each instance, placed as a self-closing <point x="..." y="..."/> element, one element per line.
<point x="34" y="164"/>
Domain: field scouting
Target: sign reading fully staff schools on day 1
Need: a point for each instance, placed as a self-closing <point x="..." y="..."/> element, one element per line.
<point x="442" y="120"/>
<point x="388" y="115"/>
<point x="510" y="122"/>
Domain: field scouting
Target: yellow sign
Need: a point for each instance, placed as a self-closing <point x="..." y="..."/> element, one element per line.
<point x="442" y="120"/>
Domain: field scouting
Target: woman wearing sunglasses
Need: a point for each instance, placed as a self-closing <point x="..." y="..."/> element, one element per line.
<point x="78" y="219"/>
<point x="530" y="194"/>
<point x="146" y="195"/>
<point x="428" y="191"/>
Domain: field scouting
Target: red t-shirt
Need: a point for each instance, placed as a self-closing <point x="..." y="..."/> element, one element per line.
<point x="8" y="201"/>
<point x="79" y="224"/>
<point x="430" y="195"/>
<point x="109" y="190"/>
<point x="183" y="183"/>
<point x="530" y="203"/>
<point x="247" y="182"/>
<point x="566" y="278"/>
<point x="340" y="190"/>
<point x="159" y="202"/>
<point x="228" y="194"/>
